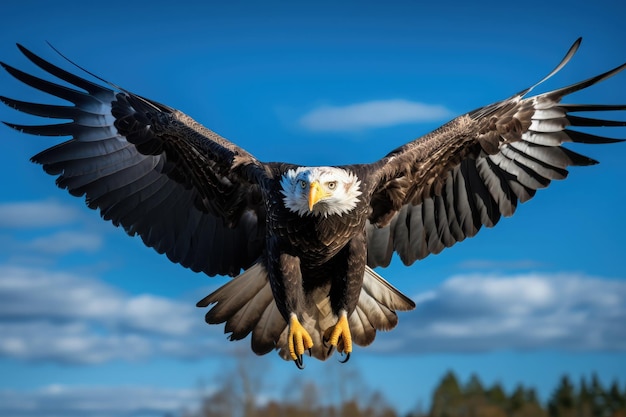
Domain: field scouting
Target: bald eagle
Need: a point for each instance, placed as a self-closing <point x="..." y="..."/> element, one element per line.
<point x="301" y="241"/>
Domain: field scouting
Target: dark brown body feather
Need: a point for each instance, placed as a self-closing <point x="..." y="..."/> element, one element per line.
<point x="320" y="251"/>
<point x="212" y="207"/>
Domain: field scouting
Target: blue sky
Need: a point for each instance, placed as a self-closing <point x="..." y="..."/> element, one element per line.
<point x="93" y="323"/>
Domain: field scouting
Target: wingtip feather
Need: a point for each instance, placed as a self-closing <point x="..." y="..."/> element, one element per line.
<point x="568" y="56"/>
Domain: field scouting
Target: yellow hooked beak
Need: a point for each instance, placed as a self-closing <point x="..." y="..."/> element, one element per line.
<point x="316" y="193"/>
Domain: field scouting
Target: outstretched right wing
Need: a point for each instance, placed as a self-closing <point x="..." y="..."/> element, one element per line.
<point x="188" y="192"/>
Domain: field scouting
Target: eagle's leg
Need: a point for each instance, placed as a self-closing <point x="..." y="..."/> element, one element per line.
<point x="285" y="279"/>
<point x="299" y="341"/>
<point x="339" y="336"/>
<point x="344" y="295"/>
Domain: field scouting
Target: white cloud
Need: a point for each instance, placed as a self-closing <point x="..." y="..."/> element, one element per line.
<point x="531" y="311"/>
<point x="35" y="214"/>
<point x="71" y="343"/>
<point x="69" y="401"/>
<point x="65" y="242"/>
<point x="372" y="114"/>
<point x="70" y="319"/>
<point x="64" y="318"/>
<point x="51" y="220"/>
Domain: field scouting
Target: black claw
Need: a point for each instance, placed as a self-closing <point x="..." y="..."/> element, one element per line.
<point x="299" y="362"/>
<point x="310" y="352"/>
<point x="346" y="359"/>
<point x="330" y="350"/>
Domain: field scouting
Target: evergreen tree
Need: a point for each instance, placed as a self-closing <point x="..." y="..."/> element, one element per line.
<point x="616" y="402"/>
<point x="599" y="400"/>
<point x="496" y="395"/>
<point x="517" y="399"/>
<point x="474" y="397"/>
<point x="474" y="388"/>
<point x="524" y="403"/>
<point x="562" y="402"/>
<point x="584" y="400"/>
<point x="531" y="396"/>
<point x="447" y="397"/>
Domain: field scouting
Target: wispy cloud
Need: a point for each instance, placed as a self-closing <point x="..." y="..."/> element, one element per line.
<point x="66" y="242"/>
<point x="532" y="311"/>
<point x="69" y="319"/>
<point x="60" y="229"/>
<point x="69" y="401"/>
<point x="372" y="114"/>
<point x="36" y="214"/>
<point x="63" y="318"/>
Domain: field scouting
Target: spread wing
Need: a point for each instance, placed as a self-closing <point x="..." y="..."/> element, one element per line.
<point x="442" y="188"/>
<point x="151" y="169"/>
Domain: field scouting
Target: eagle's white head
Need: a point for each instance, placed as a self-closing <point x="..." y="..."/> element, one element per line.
<point x="321" y="191"/>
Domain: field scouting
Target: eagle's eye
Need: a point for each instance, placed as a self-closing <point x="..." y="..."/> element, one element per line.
<point x="332" y="185"/>
<point x="302" y="184"/>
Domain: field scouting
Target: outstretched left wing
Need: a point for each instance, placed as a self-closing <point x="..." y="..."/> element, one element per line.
<point x="442" y="188"/>
<point x="188" y="192"/>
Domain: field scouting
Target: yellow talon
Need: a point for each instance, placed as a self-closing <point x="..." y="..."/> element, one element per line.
<point x="339" y="336"/>
<point x="299" y="341"/>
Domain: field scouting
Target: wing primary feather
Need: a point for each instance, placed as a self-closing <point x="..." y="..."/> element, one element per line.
<point x="543" y="167"/>
<point x="571" y="107"/>
<point x="82" y="116"/>
<point x="568" y="56"/>
<point x="73" y="149"/>
<point x="91" y="88"/>
<point x="60" y="91"/>
<point x="561" y="92"/>
<point x="586" y="121"/>
<point x="582" y="137"/>
<point x="578" y="159"/>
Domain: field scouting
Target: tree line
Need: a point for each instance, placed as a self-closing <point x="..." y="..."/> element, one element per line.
<point x="238" y="396"/>
<point x="589" y="399"/>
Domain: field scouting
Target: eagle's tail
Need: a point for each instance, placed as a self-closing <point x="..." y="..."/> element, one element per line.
<point x="246" y="305"/>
